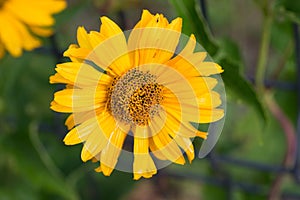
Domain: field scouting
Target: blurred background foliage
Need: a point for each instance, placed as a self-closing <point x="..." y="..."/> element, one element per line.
<point x="252" y="40"/>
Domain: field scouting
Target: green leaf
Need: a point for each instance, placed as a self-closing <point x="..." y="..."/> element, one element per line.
<point x="71" y="10"/>
<point x="237" y="85"/>
<point x="230" y="60"/>
<point x="229" y="49"/>
<point x="195" y="23"/>
<point x="289" y="9"/>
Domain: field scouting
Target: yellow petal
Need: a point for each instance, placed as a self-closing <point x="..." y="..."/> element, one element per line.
<point x="96" y="38"/>
<point x="192" y="64"/>
<point x="70" y="123"/>
<point x="106" y="170"/>
<point x="165" y="144"/>
<point x="85" y="154"/>
<point x="143" y="165"/>
<point x="41" y="31"/>
<point x="50" y="6"/>
<point x="9" y="31"/>
<point x="182" y="100"/>
<point x="181" y="127"/>
<point x="109" y="28"/>
<point x="81" y="99"/>
<point x="145" y="19"/>
<point x="208" y="115"/>
<point x="80" y="133"/>
<point x="57" y="78"/>
<point x="202" y="85"/>
<point x="75" y="52"/>
<point x="80" y="117"/>
<point x="209" y="100"/>
<point x="60" y="108"/>
<point x="154" y="42"/>
<point x="109" y="155"/>
<point x="82" y="74"/>
<point x="175" y="120"/>
<point x="183" y="142"/>
<point x="112" y="51"/>
<point x="33" y="14"/>
<point x="98" y="139"/>
<point x="155" y="151"/>
<point x="189" y="47"/>
<point x="83" y="38"/>
<point x="95" y="142"/>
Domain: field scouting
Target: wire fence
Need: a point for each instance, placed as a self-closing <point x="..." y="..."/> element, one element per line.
<point x="222" y="178"/>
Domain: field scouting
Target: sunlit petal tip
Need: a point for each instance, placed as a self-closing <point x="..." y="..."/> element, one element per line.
<point x="202" y="134"/>
<point x="85" y="154"/>
<point x="192" y="37"/>
<point x="108" y="27"/>
<point x="106" y="170"/>
<point x="60" y="5"/>
<point x="180" y="160"/>
<point x="176" y="24"/>
<point x="220" y="69"/>
<point x="60" y="108"/>
<point x="98" y="169"/>
<point x="146" y="14"/>
<point x="145" y="19"/>
<point x="137" y="176"/>
<point x="53" y="79"/>
<point x="81" y="35"/>
<point x="72" y="138"/>
<point x="67" y="53"/>
<point x="190" y="156"/>
<point x="70" y="123"/>
<point x="212" y="115"/>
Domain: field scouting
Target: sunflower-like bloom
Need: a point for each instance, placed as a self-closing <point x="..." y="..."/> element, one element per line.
<point x="22" y="21"/>
<point x="137" y="88"/>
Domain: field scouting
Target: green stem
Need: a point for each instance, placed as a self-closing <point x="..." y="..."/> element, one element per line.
<point x="263" y="53"/>
<point x="46" y="159"/>
<point x="70" y="193"/>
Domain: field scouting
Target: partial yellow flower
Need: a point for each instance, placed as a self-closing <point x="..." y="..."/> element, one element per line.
<point x="138" y="87"/>
<point x="22" y="21"/>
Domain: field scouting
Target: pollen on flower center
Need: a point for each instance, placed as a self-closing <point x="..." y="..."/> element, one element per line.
<point x="134" y="98"/>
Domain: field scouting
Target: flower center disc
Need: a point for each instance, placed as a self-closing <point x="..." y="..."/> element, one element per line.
<point x="135" y="97"/>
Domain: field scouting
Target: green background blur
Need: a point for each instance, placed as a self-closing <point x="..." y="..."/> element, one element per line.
<point x="35" y="164"/>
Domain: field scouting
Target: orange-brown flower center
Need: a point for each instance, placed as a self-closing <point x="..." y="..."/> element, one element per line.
<point x="135" y="97"/>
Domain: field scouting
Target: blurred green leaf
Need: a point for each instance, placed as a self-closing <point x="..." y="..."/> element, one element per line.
<point x="195" y="23"/>
<point x="70" y="11"/>
<point x="289" y="9"/>
<point x="229" y="50"/>
<point x="235" y="83"/>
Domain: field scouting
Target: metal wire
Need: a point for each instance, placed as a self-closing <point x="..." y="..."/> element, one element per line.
<point x="297" y="50"/>
<point x="226" y="181"/>
<point x="223" y="179"/>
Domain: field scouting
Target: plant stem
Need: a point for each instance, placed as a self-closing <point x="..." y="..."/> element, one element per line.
<point x="69" y="193"/>
<point x="291" y="143"/>
<point x="263" y="53"/>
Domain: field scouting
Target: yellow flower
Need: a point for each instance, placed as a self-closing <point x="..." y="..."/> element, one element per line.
<point x="22" y="21"/>
<point x="136" y="88"/>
